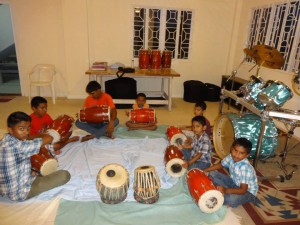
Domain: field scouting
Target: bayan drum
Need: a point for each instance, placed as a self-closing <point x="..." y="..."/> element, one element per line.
<point x="251" y="89"/>
<point x="142" y="116"/>
<point x="231" y="126"/>
<point x="173" y="161"/>
<point x="144" y="59"/>
<point x="112" y="183"/>
<point x="166" y="59"/>
<point x="146" y="185"/>
<point x="61" y="128"/>
<point x="175" y="136"/>
<point x="44" y="163"/>
<point x="203" y="191"/>
<point x="275" y="94"/>
<point x="155" y="59"/>
<point x="97" y="114"/>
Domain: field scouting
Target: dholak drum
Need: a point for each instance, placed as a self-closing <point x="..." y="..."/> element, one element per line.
<point x="97" y="114"/>
<point x="203" y="191"/>
<point x="146" y="185"/>
<point x="144" y="59"/>
<point x="275" y="94"/>
<point x="251" y="89"/>
<point x="166" y="59"/>
<point x="173" y="161"/>
<point x="61" y="128"/>
<point x="44" y="163"/>
<point x="155" y="59"/>
<point x="231" y="126"/>
<point x="175" y="136"/>
<point x="112" y="183"/>
<point x="142" y="116"/>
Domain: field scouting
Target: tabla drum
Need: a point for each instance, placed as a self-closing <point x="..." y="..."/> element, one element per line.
<point x="155" y="59"/>
<point x="251" y="89"/>
<point x="166" y="59"/>
<point x="144" y="59"/>
<point x="112" y="183"/>
<point x="173" y="161"/>
<point x="61" y="128"/>
<point x="175" y="136"/>
<point x="142" y="115"/>
<point x="203" y="191"/>
<point x="275" y="94"/>
<point x="231" y="126"/>
<point x="97" y="114"/>
<point x="146" y="185"/>
<point x="44" y="162"/>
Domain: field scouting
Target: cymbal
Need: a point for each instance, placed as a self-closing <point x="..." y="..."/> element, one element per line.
<point x="266" y="56"/>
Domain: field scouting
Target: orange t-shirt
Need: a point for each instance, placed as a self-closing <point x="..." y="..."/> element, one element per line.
<point x="105" y="99"/>
<point x="40" y="124"/>
<point x="135" y="106"/>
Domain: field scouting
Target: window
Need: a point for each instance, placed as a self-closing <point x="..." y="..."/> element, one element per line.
<point x="162" y="29"/>
<point x="277" y="25"/>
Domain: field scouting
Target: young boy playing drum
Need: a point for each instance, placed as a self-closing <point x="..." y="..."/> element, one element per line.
<point x="241" y="186"/>
<point x="17" y="181"/>
<point x="197" y="151"/>
<point x="41" y="120"/>
<point x="141" y="104"/>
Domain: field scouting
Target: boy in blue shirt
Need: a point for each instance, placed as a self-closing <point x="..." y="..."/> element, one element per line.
<point x="241" y="186"/>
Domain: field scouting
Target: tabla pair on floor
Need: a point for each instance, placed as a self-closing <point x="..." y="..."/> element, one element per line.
<point x="113" y="182"/>
<point x="44" y="163"/>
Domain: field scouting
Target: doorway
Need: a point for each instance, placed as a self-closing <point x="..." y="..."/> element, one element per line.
<point x="9" y="73"/>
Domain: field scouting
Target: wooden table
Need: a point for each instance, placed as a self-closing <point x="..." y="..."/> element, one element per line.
<point x="163" y="74"/>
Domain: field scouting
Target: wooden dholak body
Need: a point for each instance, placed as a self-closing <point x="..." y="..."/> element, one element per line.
<point x="142" y="115"/>
<point x="61" y="128"/>
<point x="203" y="191"/>
<point x="166" y="59"/>
<point x="112" y="183"/>
<point x="155" y="59"/>
<point x="97" y="114"/>
<point x="44" y="163"/>
<point x="146" y="185"/>
<point x="144" y="59"/>
<point x="175" y="136"/>
<point x="173" y="161"/>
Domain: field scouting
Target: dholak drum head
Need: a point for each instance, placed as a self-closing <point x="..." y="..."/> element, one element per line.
<point x="174" y="167"/>
<point x="54" y="134"/>
<point x="48" y="167"/>
<point x="211" y="201"/>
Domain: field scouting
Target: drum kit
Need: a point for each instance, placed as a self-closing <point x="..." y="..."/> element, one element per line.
<point x="261" y="102"/>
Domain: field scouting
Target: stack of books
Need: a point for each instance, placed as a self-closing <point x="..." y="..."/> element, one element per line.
<point x="99" y="66"/>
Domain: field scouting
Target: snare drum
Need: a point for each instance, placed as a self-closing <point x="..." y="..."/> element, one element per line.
<point x="275" y="94"/>
<point x="44" y="163"/>
<point x="173" y="161"/>
<point x="61" y="128"/>
<point x="231" y="126"/>
<point x="175" y="136"/>
<point x="142" y="115"/>
<point x="203" y="191"/>
<point x="251" y="89"/>
<point x="112" y="183"/>
<point x="97" y="114"/>
<point x="146" y="185"/>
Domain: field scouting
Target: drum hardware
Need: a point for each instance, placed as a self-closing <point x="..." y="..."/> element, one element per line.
<point x="296" y="82"/>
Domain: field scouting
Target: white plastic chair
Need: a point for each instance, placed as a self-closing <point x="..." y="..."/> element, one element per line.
<point x="42" y="75"/>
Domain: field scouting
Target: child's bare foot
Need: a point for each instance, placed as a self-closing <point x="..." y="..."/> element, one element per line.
<point x="87" y="137"/>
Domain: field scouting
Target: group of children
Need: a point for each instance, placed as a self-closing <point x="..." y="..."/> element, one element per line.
<point x="26" y="135"/>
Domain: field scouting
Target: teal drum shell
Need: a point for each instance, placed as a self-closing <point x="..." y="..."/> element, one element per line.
<point x="252" y="88"/>
<point x="275" y="94"/>
<point x="231" y="126"/>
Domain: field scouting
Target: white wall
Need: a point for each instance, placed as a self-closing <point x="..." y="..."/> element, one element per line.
<point x="72" y="34"/>
<point x="7" y="36"/>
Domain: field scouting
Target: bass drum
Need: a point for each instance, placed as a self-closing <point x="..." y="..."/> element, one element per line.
<point x="231" y="126"/>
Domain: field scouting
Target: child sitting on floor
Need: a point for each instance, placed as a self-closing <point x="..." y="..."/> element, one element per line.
<point x="241" y="186"/>
<point x="17" y="181"/>
<point x="140" y="104"/>
<point x="197" y="151"/>
<point x="41" y="120"/>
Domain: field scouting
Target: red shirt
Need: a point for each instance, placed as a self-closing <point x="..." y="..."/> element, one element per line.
<point x="39" y="124"/>
<point x="105" y="99"/>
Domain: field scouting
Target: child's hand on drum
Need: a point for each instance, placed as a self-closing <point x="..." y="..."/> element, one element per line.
<point x="221" y="189"/>
<point x="185" y="165"/>
<point x="188" y="141"/>
<point x="57" y="152"/>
